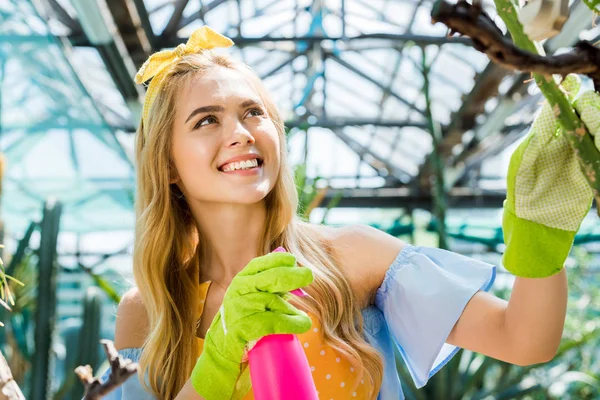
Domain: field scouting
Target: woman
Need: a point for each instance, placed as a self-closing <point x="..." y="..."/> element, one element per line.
<point x="216" y="197"/>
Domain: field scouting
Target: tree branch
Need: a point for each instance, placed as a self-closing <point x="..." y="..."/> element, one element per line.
<point x="9" y="390"/>
<point x="121" y="370"/>
<point x="474" y="22"/>
<point x="524" y="55"/>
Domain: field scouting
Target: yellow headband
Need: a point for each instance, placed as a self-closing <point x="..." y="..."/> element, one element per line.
<point x="202" y="39"/>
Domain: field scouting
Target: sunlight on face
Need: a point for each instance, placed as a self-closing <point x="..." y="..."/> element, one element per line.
<point x="220" y="116"/>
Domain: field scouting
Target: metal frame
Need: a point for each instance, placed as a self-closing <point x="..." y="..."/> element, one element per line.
<point x="323" y="51"/>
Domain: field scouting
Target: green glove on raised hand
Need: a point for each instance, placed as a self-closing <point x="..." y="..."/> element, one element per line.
<point x="547" y="194"/>
<point x="254" y="306"/>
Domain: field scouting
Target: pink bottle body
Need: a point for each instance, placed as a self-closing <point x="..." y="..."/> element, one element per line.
<point x="279" y="369"/>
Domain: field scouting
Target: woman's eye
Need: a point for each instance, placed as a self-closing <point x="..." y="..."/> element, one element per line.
<point x="205" y="121"/>
<point x="254" y="112"/>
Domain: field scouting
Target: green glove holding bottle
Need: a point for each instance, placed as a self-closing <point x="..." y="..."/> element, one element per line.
<point x="254" y="306"/>
<point x="547" y="194"/>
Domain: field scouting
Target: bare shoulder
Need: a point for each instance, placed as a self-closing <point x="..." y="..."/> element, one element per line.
<point x="132" y="321"/>
<point x="365" y="254"/>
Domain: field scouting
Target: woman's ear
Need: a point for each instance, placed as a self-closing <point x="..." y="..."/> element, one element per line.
<point x="173" y="175"/>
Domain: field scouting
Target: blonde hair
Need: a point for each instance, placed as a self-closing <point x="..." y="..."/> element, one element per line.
<point x="168" y="248"/>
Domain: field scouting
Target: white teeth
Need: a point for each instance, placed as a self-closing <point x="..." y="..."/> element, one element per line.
<point x="247" y="164"/>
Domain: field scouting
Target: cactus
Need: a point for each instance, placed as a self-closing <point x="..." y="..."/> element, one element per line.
<point x="83" y="344"/>
<point x="46" y="301"/>
<point x="89" y="339"/>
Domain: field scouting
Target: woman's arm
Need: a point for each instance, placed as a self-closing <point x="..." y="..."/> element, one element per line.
<point x="525" y="330"/>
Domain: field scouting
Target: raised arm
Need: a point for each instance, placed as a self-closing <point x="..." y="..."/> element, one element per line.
<point x="525" y="330"/>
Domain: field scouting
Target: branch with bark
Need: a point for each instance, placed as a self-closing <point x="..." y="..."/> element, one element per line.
<point x="474" y="22"/>
<point x="9" y="390"/>
<point x="121" y="370"/>
<point x="523" y="54"/>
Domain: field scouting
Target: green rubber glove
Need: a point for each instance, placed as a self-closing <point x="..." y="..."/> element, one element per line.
<point x="254" y="306"/>
<point x="547" y="194"/>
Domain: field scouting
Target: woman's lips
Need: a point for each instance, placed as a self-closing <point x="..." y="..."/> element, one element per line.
<point x="245" y="172"/>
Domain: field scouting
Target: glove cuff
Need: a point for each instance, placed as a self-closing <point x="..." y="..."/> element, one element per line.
<point x="533" y="250"/>
<point x="214" y="377"/>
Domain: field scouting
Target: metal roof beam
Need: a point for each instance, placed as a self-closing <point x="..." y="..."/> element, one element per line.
<point x="173" y="41"/>
<point x="333" y="122"/>
<point x="376" y="83"/>
<point x="405" y="198"/>
<point x="173" y="24"/>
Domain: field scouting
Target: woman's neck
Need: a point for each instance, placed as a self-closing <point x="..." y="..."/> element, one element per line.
<point x="233" y="233"/>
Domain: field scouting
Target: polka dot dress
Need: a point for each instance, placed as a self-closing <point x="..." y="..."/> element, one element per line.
<point x="335" y="378"/>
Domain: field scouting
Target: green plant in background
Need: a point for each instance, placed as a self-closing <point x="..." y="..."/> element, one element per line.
<point x="45" y="311"/>
<point x="574" y="374"/>
<point x="31" y="281"/>
<point x="18" y="348"/>
<point x="103" y="284"/>
<point x="6" y="296"/>
<point x="311" y="195"/>
<point x="593" y="5"/>
<point x="83" y="339"/>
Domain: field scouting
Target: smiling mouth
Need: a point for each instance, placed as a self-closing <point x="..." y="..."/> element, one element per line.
<point x="242" y="165"/>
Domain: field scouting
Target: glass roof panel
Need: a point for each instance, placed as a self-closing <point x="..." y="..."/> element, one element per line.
<point x="55" y="140"/>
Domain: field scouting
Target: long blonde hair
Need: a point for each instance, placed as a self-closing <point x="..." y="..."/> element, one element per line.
<point x="168" y="248"/>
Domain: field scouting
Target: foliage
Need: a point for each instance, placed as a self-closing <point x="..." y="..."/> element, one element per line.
<point x="311" y="193"/>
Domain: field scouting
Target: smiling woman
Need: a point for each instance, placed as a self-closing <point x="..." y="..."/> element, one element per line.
<point x="213" y="177"/>
<point x="216" y="196"/>
<point x="219" y="122"/>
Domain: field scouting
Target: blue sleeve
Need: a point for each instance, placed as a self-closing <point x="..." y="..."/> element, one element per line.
<point x="422" y="296"/>
<point x="132" y="388"/>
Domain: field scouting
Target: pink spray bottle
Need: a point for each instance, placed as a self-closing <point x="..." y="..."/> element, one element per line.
<point x="279" y="369"/>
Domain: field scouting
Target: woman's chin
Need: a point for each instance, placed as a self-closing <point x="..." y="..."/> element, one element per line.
<point x="249" y="195"/>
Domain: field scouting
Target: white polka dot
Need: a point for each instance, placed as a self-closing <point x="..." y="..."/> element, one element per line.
<point x="337" y="359"/>
<point x="316" y="330"/>
<point x="312" y="368"/>
<point x="353" y="394"/>
<point x="322" y="352"/>
<point x="362" y="381"/>
<point x="328" y="376"/>
<point x="342" y="384"/>
<point x="351" y="369"/>
<point x="306" y="345"/>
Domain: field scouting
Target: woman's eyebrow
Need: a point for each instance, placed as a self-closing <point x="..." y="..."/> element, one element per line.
<point x="248" y="103"/>
<point x="205" y="109"/>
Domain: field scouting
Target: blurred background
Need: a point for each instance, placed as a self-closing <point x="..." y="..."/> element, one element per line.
<point x="390" y="123"/>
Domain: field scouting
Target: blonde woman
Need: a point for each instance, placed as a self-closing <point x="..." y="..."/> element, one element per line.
<point x="215" y="197"/>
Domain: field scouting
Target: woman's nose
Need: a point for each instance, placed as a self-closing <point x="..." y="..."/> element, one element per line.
<point x="240" y="136"/>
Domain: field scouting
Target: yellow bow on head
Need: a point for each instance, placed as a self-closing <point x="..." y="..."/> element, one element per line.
<point x="203" y="38"/>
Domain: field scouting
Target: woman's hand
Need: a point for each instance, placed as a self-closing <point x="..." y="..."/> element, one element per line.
<point x="547" y="194"/>
<point x="254" y="306"/>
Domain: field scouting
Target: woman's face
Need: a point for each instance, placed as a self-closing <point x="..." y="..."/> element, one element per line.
<point x="225" y="146"/>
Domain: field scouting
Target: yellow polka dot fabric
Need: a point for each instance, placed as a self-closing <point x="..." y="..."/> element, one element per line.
<point x="335" y="378"/>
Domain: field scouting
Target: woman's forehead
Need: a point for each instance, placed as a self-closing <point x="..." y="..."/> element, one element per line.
<point x="217" y="85"/>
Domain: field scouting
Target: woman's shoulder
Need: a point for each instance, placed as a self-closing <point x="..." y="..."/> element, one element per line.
<point x="365" y="254"/>
<point x="132" y="323"/>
